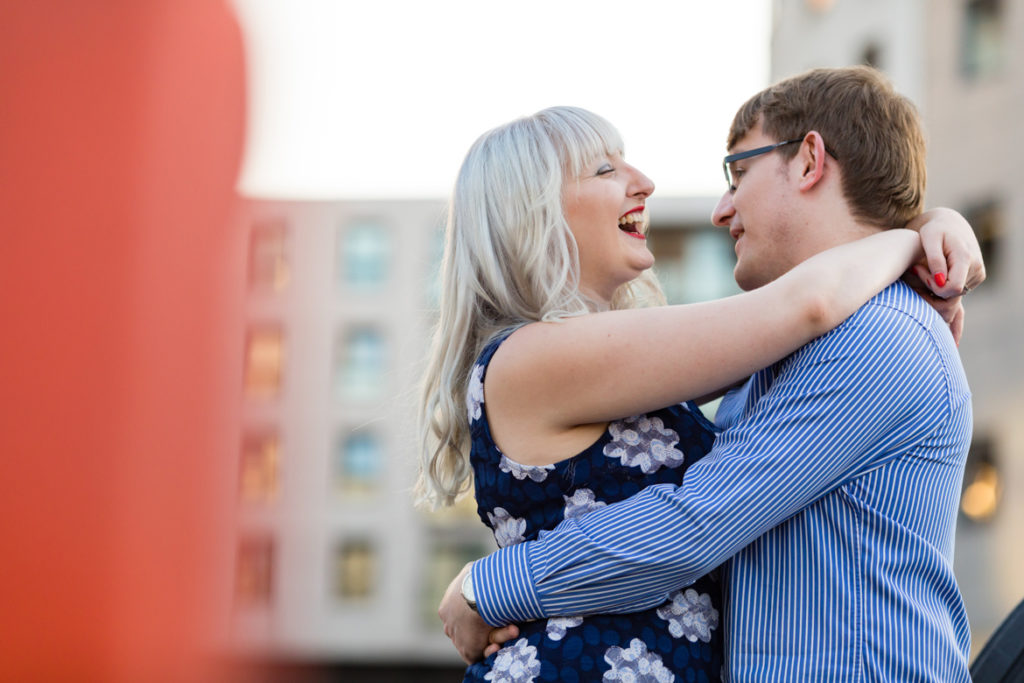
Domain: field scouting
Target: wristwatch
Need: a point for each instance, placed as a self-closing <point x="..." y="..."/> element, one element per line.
<point x="467" y="589"/>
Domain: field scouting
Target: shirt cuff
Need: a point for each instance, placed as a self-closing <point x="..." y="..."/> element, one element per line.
<point x="504" y="588"/>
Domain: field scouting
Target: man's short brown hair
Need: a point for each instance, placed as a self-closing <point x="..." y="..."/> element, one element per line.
<point x="873" y="131"/>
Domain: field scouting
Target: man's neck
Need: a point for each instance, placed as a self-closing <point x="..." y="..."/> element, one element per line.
<point x="826" y="229"/>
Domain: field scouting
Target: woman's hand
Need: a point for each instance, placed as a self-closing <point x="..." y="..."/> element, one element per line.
<point x="952" y="253"/>
<point x="952" y="264"/>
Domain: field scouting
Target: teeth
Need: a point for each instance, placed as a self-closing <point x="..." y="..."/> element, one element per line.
<point x="637" y="218"/>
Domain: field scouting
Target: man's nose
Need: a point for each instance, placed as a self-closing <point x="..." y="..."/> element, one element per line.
<point x="724" y="211"/>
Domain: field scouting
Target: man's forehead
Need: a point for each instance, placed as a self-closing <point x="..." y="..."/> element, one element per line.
<point x="739" y="140"/>
<point x="754" y="137"/>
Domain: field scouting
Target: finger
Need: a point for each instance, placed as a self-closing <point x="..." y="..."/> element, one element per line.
<point x="500" y="635"/>
<point x="925" y="276"/>
<point x="956" y="327"/>
<point x="935" y="255"/>
<point x="947" y="308"/>
<point x="956" y="279"/>
<point x="975" y="272"/>
<point x="491" y="649"/>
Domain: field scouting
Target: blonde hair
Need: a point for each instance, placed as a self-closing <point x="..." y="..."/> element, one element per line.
<point x="509" y="259"/>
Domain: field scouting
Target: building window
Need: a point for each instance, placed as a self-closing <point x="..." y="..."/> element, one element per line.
<point x="259" y="468"/>
<point x="983" y="47"/>
<point x="355" y="570"/>
<point x="359" y="364"/>
<point x="364" y="255"/>
<point x="694" y="264"/>
<point x="982" y="488"/>
<point x="358" y="461"/>
<point x="268" y="262"/>
<point x="254" y="576"/>
<point x="987" y="220"/>
<point x="264" y="361"/>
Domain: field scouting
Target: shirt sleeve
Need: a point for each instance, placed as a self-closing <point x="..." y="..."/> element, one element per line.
<point x="840" y="406"/>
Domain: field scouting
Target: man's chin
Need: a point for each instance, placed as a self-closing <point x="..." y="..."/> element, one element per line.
<point x="745" y="279"/>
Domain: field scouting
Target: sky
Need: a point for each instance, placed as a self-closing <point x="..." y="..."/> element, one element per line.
<point x="357" y="99"/>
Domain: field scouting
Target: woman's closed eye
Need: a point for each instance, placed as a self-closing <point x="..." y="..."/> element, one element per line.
<point x="605" y="169"/>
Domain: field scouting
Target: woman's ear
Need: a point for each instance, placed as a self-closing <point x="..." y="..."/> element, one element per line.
<point x="812" y="160"/>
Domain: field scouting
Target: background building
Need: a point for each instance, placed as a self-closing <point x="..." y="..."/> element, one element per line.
<point x="333" y="563"/>
<point x="962" y="63"/>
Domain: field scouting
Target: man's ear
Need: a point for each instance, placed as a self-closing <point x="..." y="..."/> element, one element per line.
<point x="812" y="160"/>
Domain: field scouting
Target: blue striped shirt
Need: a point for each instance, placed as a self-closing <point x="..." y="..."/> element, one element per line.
<point x="831" y="496"/>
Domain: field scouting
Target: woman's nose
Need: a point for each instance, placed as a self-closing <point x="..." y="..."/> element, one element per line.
<point x="642" y="186"/>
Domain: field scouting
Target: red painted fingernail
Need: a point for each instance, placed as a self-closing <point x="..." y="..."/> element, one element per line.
<point x="940" y="279"/>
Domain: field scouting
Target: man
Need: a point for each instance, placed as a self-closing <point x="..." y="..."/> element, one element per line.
<point x="831" y="496"/>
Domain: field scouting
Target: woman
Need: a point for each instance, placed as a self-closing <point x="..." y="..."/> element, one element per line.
<point x="539" y="380"/>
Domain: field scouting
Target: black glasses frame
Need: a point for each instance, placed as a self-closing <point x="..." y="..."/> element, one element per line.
<point x="757" y="151"/>
<point x="750" y="153"/>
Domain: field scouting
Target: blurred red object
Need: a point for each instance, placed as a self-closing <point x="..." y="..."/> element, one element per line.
<point x="121" y="275"/>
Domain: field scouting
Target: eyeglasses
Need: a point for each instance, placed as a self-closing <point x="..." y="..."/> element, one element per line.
<point x="746" y="155"/>
<point x="758" y="151"/>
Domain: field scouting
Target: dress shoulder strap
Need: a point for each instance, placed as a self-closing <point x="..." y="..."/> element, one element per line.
<point x="475" y="390"/>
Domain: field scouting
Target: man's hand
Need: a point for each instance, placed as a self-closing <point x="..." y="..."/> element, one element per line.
<point x="499" y="637"/>
<point x="467" y="630"/>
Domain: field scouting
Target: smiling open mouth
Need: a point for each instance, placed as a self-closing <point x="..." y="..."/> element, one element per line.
<point x="634" y="223"/>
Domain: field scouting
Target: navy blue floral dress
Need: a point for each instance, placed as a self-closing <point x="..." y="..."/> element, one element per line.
<point x="681" y="640"/>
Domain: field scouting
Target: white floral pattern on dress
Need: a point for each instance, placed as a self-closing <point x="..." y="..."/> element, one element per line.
<point x="557" y="626"/>
<point x="643" y="441"/>
<point x="580" y="503"/>
<point x="690" y="615"/>
<point x="515" y="664"/>
<point x="475" y="392"/>
<point x="636" y="665"/>
<point x="507" y="529"/>
<point x="520" y="472"/>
